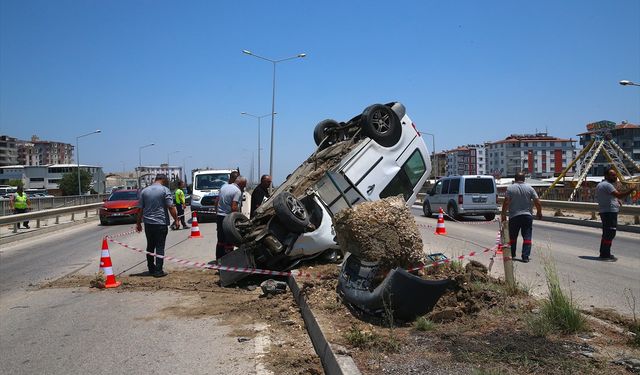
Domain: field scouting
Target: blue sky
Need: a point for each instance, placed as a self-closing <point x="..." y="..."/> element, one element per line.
<point x="173" y="72"/>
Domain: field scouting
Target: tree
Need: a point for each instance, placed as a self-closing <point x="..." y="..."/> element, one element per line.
<point x="15" y="182"/>
<point x="69" y="182"/>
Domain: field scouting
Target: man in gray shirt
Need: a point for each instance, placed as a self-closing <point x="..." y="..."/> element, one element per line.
<point x="155" y="201"/>
<point x="608" y="198"/>
<point x="229" y="201"/>
<point x="518" y="201"/>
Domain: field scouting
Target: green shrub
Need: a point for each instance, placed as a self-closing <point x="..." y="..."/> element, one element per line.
<point x="424" y="324"/>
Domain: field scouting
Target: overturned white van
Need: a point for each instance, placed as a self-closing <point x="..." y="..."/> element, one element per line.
<point x="374" y="155"/>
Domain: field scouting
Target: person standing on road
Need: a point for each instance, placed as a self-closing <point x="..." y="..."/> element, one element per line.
<point x="20" y="203"/>
<point x="228" y="202"/>
<point x="155" y="201"/>
<point x="180" y="206"/>
<point x="609" y="203"/>
<point x="518" y="202"/>
<point x="260" y="194"/>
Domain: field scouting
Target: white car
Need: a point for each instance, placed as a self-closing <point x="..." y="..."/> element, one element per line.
<point x="375" y="155"/>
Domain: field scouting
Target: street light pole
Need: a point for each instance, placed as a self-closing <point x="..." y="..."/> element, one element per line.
<point x="624" y="82"/>
<point x="140" y="161"/>
<point x="257" y="117"/>
<point x="184" y="168"/>
<point x="273" y="97"/>
<point x="78" y="156"/>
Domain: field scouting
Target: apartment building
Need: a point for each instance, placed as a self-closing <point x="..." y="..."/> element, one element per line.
<point x="8" y="150"/>
<point x="37" y="152"/>
<point x="538" y="155"/>
<point x="468" y="159"/>
<point x="626" y="135"/>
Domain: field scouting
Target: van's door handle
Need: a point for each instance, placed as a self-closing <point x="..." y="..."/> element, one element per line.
<point x="370" y="189"/>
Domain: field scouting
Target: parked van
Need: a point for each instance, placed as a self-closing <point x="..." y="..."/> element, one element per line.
<point x="375" y="155"/>
<point x="467" y="195"/>
<point x="206" y="187"/>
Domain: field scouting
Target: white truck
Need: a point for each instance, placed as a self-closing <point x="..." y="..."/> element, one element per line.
<point x="206" y="188"/>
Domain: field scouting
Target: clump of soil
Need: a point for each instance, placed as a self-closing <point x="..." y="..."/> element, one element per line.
<point x="381" y="231"/>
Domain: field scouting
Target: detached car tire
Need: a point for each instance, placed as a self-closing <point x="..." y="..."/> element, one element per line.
<point x="291" y="212"/>
<point x="230" y="229"/>
<point x="381" y="124"/>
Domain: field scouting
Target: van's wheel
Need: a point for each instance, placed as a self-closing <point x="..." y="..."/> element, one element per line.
<point x="230" y="229"/>
<point x="452" y="211"/>
<point x="291" y="212"/>
<point x="426" y="209"/>
<point x="103" y="221"/>
<point x="490" y="217"/>
<point x="323" y="129"/>
<point x="381" y="124"/>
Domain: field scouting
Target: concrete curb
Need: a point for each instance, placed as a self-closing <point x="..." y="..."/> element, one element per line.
<point x="44" y="230"/>
<point x="331" y="362"/>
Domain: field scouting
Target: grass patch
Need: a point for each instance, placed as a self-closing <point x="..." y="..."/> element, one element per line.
<point x="635" y="328"/>
<point x="558" y="311"/>
<point x="371" y="340"/>
<point x="423" y="324"/>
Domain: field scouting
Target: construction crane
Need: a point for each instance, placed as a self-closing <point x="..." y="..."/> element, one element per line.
<point x="601" y="142"/>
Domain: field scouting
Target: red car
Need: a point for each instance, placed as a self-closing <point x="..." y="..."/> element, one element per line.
<point x="122" y="205"/>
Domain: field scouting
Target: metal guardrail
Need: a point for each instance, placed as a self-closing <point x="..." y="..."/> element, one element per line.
<point x="564" y="205"/>
<point x="44" y="214"/>
<point x="38" y="204"/>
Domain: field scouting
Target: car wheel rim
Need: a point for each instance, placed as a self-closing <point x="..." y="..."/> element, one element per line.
<point x="296" y="208"/>
<point x="381" y="122"/>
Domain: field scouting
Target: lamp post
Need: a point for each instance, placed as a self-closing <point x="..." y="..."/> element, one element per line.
<point x="78" y="156"/>
<point x="184" y="168"/>
<point x="140" y="160"/>
<point x="258" y="117"/>
<point x="273" y="97"/>
<point x="624" y="82"/>
<point x="433" y="163"/>
<point x="168" y="169"/>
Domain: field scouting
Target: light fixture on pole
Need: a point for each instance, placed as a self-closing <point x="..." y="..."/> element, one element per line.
<point x="258" y="117"/>
<point x="624" y="82"/>
<point x="140" y="161"/>
<point x="78" y="156"/>
<point x="273" y="97"/>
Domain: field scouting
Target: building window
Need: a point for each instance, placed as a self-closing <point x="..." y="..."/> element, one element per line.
<point x="36" y="179"/>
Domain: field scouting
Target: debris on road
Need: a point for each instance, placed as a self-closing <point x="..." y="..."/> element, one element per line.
<point x="273" y="287"/>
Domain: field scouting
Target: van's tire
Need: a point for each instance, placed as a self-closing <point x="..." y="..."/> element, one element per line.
<point x="291" y="212"/>
<point x="104" y="221"/>
<point x="321" y="130"/>
<point x="230" y="229"/>
<point x="452" y="211"/>
<point x="489" y="217"/>
<point x="381" y="124"/>
<point x="426" y="209"/>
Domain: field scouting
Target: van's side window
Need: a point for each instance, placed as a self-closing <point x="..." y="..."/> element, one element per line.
<point x="438" y="189"/>
<point x="454" y="186"/>
<point x="445" y="186"/>
<point x="407" y="178"/>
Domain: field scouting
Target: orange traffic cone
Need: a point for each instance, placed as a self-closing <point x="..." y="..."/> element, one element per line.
<point x="440" y="229"/>
<point x="195" y="231"/>
<point x="106" y="268"/>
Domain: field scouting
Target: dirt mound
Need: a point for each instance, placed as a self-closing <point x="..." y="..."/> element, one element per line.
<point x="382" y="231"/>
<point x="472" y="290"/>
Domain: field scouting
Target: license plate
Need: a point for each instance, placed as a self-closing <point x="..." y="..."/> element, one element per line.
<point x="479" y="200"/>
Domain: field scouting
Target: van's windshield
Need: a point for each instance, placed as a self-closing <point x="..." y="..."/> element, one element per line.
<point x="210" y="181"/>
<point x="478" y="186"/>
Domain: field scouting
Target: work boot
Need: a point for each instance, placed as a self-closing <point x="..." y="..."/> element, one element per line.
<point x="160" y="273"/>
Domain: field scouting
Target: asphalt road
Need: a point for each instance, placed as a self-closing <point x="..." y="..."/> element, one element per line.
<point x="87" y="331"/>
<point x="573" y="249"/>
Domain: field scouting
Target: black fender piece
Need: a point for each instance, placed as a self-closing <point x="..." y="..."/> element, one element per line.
<point x="407" y="295"/>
